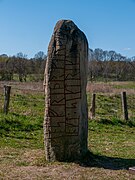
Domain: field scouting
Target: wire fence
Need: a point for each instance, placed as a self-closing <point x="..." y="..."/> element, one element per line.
<point x="30" y="98"/>
<point x="23" y="99"/>
<point x="110" y="106"/>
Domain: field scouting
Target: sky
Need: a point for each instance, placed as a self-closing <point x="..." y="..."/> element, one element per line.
<point x="27" y="25"/>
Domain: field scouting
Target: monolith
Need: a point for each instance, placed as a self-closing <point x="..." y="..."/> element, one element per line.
<point x="66" y="116"/>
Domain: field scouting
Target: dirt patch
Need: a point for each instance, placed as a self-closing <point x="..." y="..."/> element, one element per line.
<point x="63" y="172"/>
<point x="24" y="165"/>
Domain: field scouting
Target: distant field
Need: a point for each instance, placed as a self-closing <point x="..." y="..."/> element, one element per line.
<point x="112" y="87"/>
<point x="111" y="140"/>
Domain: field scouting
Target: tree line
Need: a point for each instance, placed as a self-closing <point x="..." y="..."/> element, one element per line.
<point x="110" y="66"/>
<point x="19" y="67"/>
<point x="102" y="66"/>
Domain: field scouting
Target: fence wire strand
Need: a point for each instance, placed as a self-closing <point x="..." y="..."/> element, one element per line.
<point x="107" y="106"/>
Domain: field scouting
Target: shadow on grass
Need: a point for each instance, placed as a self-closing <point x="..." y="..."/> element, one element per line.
<point x="21" y="123"/>
<point x="117" y="122"/>
<point x="91" y="160"/>
<point x="18" y="137"/>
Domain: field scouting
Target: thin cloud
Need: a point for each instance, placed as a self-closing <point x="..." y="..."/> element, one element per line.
<point x="126" y="49"/>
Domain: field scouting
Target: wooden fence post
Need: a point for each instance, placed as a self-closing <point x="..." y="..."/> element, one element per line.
<point x="93" y="106"/>
<point x="6" y="98"/>
<point x="124" y="105"/>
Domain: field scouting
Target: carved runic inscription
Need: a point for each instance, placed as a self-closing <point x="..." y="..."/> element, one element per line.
<point x="65" y="124"/>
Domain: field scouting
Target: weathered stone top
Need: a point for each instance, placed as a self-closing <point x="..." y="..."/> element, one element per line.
<point x="68" y="28"/>
<point x="61" y="24"/>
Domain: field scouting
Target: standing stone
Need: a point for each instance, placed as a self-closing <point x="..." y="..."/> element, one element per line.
<point x="66" y="116"/>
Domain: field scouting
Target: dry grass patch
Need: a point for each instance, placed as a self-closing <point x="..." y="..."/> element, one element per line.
<point x="58" y="172"/>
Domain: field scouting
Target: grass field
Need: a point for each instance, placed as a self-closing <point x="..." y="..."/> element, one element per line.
<point x="111" y="140"/>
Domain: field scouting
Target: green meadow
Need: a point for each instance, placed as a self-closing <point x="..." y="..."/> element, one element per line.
<point x="111" y="139"/>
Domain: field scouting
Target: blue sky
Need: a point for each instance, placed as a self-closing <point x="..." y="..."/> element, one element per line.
<point x="27" y="25"/>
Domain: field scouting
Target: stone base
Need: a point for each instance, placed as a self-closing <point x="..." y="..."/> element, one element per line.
<point x="132" y="170"/>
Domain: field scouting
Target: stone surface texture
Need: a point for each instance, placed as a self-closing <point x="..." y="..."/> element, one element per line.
<point x="132" y="170"/>
<point x="66" y="116"/>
